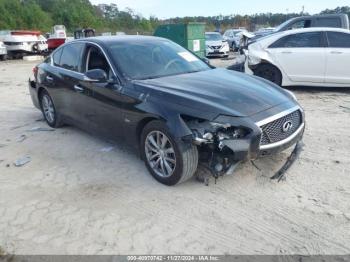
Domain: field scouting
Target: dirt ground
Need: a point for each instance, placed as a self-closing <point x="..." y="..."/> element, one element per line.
<point x="82" y="195"/>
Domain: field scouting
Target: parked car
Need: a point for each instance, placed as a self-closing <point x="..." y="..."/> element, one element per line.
<point x="233" y="37"/>
<point x="84" y="33"/>
<point x="3" y="51"/>
<point x="310" y="57"/>
<point x="216" y="45"/>
<point x="23" y="42"/>
<point x="166" y="102"/>
<point x="332" y="20"/>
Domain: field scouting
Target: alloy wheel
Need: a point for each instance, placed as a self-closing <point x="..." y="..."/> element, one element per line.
<point x="48" y="109"/>
<point x="160" y="154"/>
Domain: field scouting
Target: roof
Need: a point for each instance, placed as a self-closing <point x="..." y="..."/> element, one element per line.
<point x="311" y="29"/>
<point x="270" y="38"/>
<point x="122" y="39"/>
<point x="317" y="29"/>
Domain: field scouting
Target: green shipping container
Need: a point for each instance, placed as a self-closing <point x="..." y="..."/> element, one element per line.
<point x="191" y="36"/>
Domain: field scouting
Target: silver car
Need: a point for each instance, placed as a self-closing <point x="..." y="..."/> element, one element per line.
<point x="233" y="36"/>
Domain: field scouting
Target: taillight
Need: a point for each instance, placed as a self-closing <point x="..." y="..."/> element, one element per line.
<point x="35" y="71"/>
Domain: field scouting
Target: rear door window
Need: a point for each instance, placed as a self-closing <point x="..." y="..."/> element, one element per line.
<point x="328" y="22"/>
<point x="303" y="40"/>
<point x="71" y="57"/>
<point x="338" y="40"/>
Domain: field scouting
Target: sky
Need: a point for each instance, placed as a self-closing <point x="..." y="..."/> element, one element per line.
<point x="174" y="8"/>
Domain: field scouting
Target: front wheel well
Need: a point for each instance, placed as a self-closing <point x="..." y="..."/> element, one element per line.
<point x="260" y="70"/>
<point x="140" y="126"/>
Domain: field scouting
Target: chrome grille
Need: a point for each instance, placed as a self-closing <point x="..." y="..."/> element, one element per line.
<point x="273" y="132"/>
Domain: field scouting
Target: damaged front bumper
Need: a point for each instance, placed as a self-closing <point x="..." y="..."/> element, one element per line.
<point x="226" y="145"/>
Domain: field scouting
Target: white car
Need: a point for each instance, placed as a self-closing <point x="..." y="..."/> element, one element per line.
<point x="216" y="45"/>
<point x="307" y="57"/>
<point x="3" y="51"/>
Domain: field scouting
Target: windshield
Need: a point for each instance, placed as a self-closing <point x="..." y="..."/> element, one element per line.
<point x="237" y="32"/>
<point x="154" y="59"/>
<point x="213" y="37"/>
<point x="280" y="27"/>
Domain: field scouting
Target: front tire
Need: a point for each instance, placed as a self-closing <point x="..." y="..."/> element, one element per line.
<point x="170" y="161"/>
<point x="49" y="111"/>
<point x="270" y="73"/>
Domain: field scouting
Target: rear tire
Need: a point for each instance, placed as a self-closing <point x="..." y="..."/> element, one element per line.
<point x="269" y="72"/>
<point x="49" y="111"/>
<point x="176" y="154"/>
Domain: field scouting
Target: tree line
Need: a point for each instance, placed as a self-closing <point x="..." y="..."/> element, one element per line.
<point x="43" y="14"/>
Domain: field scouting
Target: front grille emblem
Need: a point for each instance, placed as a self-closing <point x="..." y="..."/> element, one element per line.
<point x="287" y="126"/>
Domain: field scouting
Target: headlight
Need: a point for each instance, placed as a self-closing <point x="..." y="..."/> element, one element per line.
<point x="292" y="94"/>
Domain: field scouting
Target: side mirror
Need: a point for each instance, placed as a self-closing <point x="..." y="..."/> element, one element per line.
<point x="96" y="75"/>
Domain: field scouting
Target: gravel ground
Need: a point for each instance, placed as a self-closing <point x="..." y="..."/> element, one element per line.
<point x="82" y="195"/>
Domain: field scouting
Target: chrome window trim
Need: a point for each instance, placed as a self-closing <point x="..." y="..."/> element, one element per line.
<point x="104" y="53"/>
<point x="277" y="116"/>
<point x="92" y="43"/>
<point x="285" y="141"/>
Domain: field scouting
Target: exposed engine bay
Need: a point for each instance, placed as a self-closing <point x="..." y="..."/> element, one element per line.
<point x="214" y="141"/>
<point x="217" y="144"/>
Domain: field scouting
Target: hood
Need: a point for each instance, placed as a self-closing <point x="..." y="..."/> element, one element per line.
<point x="219" y="91"/>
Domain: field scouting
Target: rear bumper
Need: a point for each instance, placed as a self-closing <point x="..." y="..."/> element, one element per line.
<point x="33" y="93"/>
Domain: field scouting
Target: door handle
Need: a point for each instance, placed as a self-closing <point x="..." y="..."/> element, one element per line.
<point x="286" y="52"/>
<point x="336" y="52"/>
<point x="49" y="78"/>
<point x="78" y="89"/>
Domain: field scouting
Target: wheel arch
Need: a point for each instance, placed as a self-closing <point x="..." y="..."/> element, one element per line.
<point x="41" y="89"/>
<point x="266" y="62"/>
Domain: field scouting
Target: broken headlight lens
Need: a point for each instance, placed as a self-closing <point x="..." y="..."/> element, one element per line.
<point x="226" y="131"/>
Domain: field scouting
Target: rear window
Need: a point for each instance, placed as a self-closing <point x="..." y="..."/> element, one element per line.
<point x="303" y="40"/>
<point x="338" y="39"/>
<point x="71" y="56"/>
<point x="328" y="22"/>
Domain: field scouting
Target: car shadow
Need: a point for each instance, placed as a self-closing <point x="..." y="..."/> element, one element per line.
<point x="319" y="89"/>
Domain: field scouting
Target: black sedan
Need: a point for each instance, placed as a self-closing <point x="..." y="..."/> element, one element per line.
<point x="176" y="109"/>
